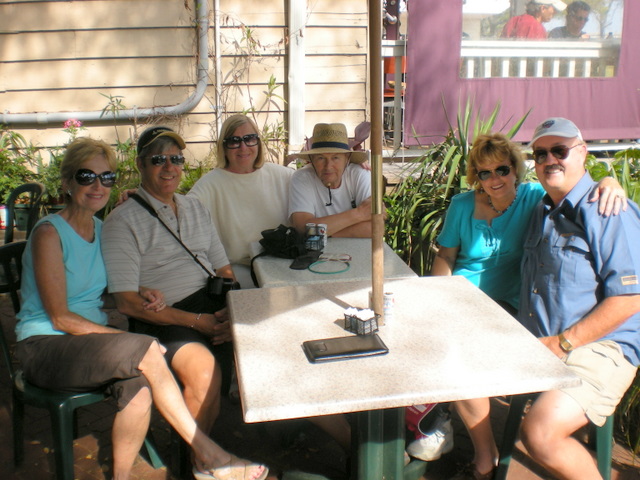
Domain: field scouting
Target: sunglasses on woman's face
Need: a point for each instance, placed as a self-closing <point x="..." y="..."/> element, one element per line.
<point x="250" y="140"/>
<point x="561" y="152"/>
<point x="157" y="160"/>
<point x="501" y="171"/>
<point x="86" y="177"/>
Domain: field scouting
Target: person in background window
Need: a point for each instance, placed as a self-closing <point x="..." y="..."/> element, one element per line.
<point x="529" y="25"/>
<point x="577" y="17"/>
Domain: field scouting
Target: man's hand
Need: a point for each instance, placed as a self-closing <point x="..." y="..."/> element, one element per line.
<point x="553" y="344"/>
<point x="222" y="328"/>
<point x="364" y="210"/>
<point x="216" y="326"/>
<point x="153" y="299"/>
<point x="222" y="315"/>
<point x="124" y="195"/>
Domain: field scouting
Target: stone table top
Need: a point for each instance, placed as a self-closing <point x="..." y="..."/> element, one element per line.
<point x="447" y="341"/>
<point x="275" y="272"/>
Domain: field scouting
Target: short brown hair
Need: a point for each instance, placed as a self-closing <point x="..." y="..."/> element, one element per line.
<point x="490" y="148"/>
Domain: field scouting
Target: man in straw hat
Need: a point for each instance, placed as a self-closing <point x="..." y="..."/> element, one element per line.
<point x="332" y="188"/>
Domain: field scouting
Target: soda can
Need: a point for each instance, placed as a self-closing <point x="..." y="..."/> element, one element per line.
<point x="311" y="229"/>
<point x="321" y="230"/>
<point x="388" y="302"/>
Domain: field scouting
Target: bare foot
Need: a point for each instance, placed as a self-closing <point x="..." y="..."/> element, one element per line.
<point x="236" y="469"/>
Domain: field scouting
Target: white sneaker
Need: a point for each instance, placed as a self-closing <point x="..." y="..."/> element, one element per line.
<point x="434" y="443"/>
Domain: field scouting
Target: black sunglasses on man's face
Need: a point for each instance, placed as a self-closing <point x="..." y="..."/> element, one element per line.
<point x="561" y="152"/>
<point x="157" y="160"/>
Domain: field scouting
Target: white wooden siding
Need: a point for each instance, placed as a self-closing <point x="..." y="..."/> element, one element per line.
<point x="65" y="56"/>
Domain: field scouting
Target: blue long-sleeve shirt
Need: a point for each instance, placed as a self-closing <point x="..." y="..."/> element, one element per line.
<point x="574" y="258"/>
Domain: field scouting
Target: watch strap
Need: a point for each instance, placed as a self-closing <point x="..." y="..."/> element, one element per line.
<point x="565" y="344"/>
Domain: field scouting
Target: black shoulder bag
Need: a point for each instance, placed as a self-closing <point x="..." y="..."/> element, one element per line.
<point x="285" y="242"/>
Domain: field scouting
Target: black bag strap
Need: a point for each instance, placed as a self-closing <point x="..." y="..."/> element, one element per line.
<point x="153" y="213"/>
<point x="252" y="271"/>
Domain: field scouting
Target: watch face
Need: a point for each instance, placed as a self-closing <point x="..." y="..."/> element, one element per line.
<point x="565" y="344"/>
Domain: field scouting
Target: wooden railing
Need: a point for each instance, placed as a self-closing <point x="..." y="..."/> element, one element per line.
<point x="550" y="59"/>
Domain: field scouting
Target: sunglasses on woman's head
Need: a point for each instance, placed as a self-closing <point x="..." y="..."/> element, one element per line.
<point x="250" y="140"/>
<point x="86" y="177"/>
<point x="157" y="160"/>
<point x="501" y="171"/>
<point x="560" y="152"/>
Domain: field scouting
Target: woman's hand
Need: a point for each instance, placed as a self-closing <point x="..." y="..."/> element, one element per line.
<point x="154" y="299"/>
<point x="611" y="197"/>
<point x="125" y="194"/>
<point x="366" y="166"/>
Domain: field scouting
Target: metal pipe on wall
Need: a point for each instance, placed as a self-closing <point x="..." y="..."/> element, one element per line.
<point x="42" y="119"/>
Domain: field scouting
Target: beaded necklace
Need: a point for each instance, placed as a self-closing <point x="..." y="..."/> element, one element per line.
<point x="500" y="212"/>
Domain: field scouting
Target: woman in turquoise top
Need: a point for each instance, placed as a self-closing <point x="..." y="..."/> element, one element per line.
<point x="482" y="239"/>
<point x="64" y="342"/>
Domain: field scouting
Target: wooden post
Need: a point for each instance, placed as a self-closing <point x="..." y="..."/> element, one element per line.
<point x="377" y="133"/>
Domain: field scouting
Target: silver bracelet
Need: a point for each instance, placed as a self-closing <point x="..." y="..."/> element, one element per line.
<point x="194" y="323"/>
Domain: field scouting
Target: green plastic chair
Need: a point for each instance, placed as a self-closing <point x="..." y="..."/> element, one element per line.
<point x="35" y="191"/>
<point x="61" y="405"/>
<point x="603" y="440"/>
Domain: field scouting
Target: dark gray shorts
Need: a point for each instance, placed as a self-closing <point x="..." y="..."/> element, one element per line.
<point x="81" y="363"/>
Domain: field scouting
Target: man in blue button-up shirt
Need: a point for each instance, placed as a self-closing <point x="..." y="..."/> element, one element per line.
<point x="581" y="296"/>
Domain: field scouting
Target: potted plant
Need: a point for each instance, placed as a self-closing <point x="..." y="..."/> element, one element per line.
<point x="16" y="162"/>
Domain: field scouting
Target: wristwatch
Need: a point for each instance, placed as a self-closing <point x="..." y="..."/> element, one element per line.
<point x="565" y="344"/>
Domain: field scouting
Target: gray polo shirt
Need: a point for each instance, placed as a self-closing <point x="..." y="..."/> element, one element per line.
<point x="139" y="251"/>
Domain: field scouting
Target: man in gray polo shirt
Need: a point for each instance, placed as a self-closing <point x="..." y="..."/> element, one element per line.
<point x="139" y="250"/>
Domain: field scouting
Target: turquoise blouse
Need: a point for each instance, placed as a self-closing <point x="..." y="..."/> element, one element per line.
<point x="489" y="256"/>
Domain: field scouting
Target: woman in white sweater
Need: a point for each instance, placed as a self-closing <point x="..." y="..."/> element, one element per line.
<point x="244" y="194"/>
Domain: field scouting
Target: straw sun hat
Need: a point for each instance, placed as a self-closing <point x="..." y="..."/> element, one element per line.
<point x="331" y="138"/>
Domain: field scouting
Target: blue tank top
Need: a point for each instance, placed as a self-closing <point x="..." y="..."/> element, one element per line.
<point x="86" y="279"/>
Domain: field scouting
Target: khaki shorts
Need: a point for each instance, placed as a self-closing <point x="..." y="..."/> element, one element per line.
<point x="606" y="375"/>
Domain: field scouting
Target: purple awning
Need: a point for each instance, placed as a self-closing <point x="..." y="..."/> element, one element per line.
<point x="603" y="108"/>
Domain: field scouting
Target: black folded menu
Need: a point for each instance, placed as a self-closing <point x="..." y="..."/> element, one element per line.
<point x="342" y="348"/>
